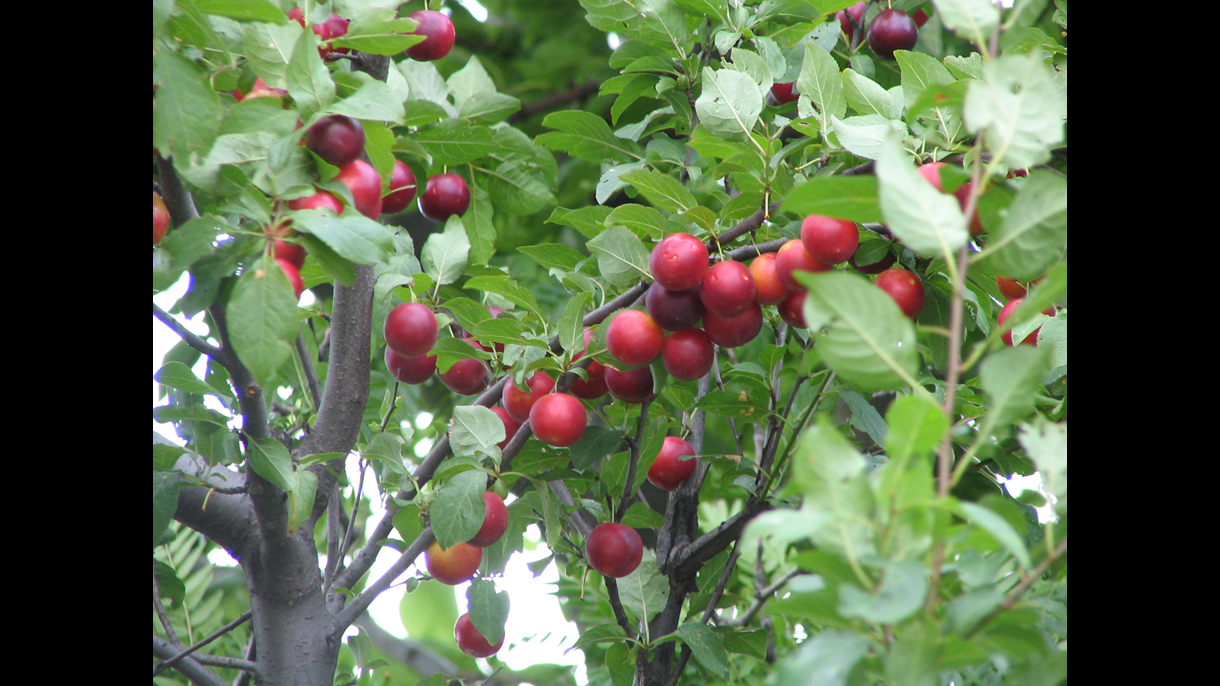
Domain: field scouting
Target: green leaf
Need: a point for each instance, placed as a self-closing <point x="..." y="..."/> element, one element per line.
<point x="621" y="257"/>
<point x="589" y="221"/>
<point x="489" y="108"/>
<point x="352" y="236"/>
<point x="470" y="81"/>
<point x="868" y="340"/>
<point x="379" y="37"/>
<point x="180" y="376"/>
<point x="864" y="416"/>
<point x="457" y="512"/>
<point x="999" y="528"/>
<point x="269" y="50"/>
<point x="902" y="592"/>
<point x="168" y="582"/>
<point x="929" y="222"/>
<point x="444" y="256"/>
<point x="271" y="460"/>
<point x="844" y="197"/>
<point x="865" y="136"/>
<point x="820" y="80"/>
<point x="373" y="101"/>
<point x="867" y="97"/>
<point x="916" y="426"/>
<point x="571" y="322"/>
<point x="1020" y="109"/>
<point x="706" y="645"/>
<point x="644" y="591"/>
<point x="919" y="72"/>
<point x="506" y="287"/>
<point x="586" y="136"/>
<point x="553" y="255"/>
<point x="165" y="501"/>
<point x="973" y="20"/>
<point x="476" y="429"/>
<point x="300" y="499"/>
<point x="1010" y="378"/>
<point x="455" y="141"/>
<point x="829" y="472"/>
<point x="640" y="516"/>
<point x="729" y="104"/>
<point x="661" y="190"/>
<point x="488" y="609"/>
<point x="243" y="10"/>
<point x="1034" y="231"/>
<point x="309" y="81"/>
<point x="827" y="659"/>
<point x="1046" y="444"/>
<point x="187" y="112"/>
<point x="263" y="320"/>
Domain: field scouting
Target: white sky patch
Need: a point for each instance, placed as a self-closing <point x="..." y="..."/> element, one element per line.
<point x="476" y="10"/>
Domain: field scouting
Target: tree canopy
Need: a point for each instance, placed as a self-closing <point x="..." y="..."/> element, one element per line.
<point x="829" y="222"/>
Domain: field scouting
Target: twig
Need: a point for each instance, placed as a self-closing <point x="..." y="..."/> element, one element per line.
<point x="219" y="632"/>
<point x="243" y="678"/>
<point x="617" y="605"/>
<point x="762" y="596"/>
<point x="633" y="462"/>
<point x="351" y="521"/>
<point x="1015" y="593"/>
<point x="311" y="376"/>
<point x="161" y="613"/>
<point x="554" y="100"/>
<point x="576" y="517"/>
<point x="720" y="385"/>
<point x="361" y="602"/>
<point x="196" y="343"/>
<point x="187" y="666"/>
<point x="226" y="662"/>
<point x="177" y="200"/>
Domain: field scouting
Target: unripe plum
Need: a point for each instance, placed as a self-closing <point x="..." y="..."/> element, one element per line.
<point x="452" y="566"/>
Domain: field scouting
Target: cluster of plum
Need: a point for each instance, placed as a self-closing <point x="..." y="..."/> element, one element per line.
<point x="890" y="30"/>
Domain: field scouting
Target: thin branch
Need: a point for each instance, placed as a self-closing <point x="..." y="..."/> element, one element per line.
<point x="1017" y="591"/>
<point x="554" y="100"/>
<point x="720" y="385"/>
<point x="187" y="667"/>
<point x="634" y="462"/>
<point x="351" y="521"/>
<point x="226" y="662"/>
<point x="577" y="516"/>
<point x="196" y="343"/>
<point x="311" y="375"/>
<point x="177" y="200"/>
<point x="217" y="634"/>
<point x="243" y="678"/>
<point x="361" y="602"/>
<point x="617" y="605"/>
<point x="762" y="596"/>
<point x="161" y="613"/>
<point x="334" y="538"/>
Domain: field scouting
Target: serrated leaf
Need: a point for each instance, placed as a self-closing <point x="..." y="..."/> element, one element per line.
<point x="180" y="376"/>
<point x="1046" y="444"/>
<point x="1010" y="378"/>
<point x="269" y="50"/>
<point x="243" y="10"/>
<point x="507" y="288"/>
<point x="553" y="255"/>
<point x="611" y="180"/>
<point x="662" y="190"/>
<point x="865" y="136"/>
<point x="1033" y="233"/>
<point x="262" y="318"/>
<point x="919" y="71"/>
<point x="829" y="472"/>
<point x="827" y="659"/>
<point x="352" y="235"/>
<point x="1019" y="107"/>
<point x="821" y="82"/>
<point x="455" y="141"/>
<point x="165" y="501"/>
<point x="300" y="499"/>
<point x="458" y="510"/>
<point x="374" y="100"/>
<point x="867" y="97"/>
<point x="379" y="37"/>
<point x="706" y="645"/>
<point x="868" y="341"/>
<point x="571" y="322"/>
<point x="476" y="429"/>
<point x="644" y="591"/>
<point x="916" y="427"/>
<point x="902" y="592"/>
<point x="186" y="113"/>
<point x="271" y="460"/>
<point x="643" y="221"/>
<point x="621" y="257"/>
<point x="308" y="79"/>
<point x="589" y="221"/>
<point x="864" y="416"/>
<point x="729" y="104"/>
<point x="999" y="528"/>
<point x="488" y="609"/>
<point x="973" y="20"/>
<point x="844" y="197"/>
<point x="929" y="222"/>
<point x="444" y="256"/>
<point x="586" y="136"/>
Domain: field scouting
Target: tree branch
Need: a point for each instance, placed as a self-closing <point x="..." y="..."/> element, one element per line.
<point x="311" y="375"/>
<point x="633" y="462"/>
<point x="616" y="604"/>
<point x="161" y="613"/>
<point x="361" y="602"/>
<point x="1017" y="591"/>
<point x="196" y="343"/>
<point x="554" y="100"/>
<point x="184" y="653"/>
<point x="177" y="200"/>
<point x="187" y="667"/>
